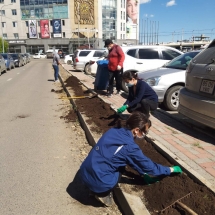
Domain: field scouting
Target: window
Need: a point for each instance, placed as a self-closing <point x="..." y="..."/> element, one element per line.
<point x="132" y="52"/>
<point x="64" y="35"/>
<point x="84" y="53"/>
<point x="38" y="23"/>
<point x="97" y="54"/>
<point x="14" y="24"/>
<point x="39" y="35"/>
<point x="123" y="26"/>
<point x="26" y="23"/>
<point x="50" y="22"/>
<point x="27" y="34"/>
<point x="121" y="14"/>
<point x="1" y="1"/>
<point x="5" y="36"/>
<point x="13" y="1"/>
<point x="16" y="35"/>
<point x="63" y="22"/>
<point x="169" y="54"/>
<point x="2" y="12"/>
<point x="14" y="12"/>
<point x="3" y="24"/>
<point x="148" y="54"/>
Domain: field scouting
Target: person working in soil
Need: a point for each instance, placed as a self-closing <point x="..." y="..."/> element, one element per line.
<point x="55" y="64"/>
<point x="116" y="58"/>
<point x="102" y="168"/>
<point x="141" y="96"/>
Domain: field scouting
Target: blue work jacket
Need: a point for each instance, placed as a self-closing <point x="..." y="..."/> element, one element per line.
<point x="115" y="149"/>
<point x="143" y="91"/>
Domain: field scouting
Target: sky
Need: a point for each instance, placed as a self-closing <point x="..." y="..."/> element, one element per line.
<point x="178" y="19"/>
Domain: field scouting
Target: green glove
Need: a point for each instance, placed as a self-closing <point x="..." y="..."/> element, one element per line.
<point x="176" y="169"/>
<point x="122" y="109"/>
<point x="149" y="180"/>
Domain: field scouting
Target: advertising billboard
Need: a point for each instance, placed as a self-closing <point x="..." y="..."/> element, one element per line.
<point x="44" y="28"/>
<point x="32" y="29"/>
<point x="132" y="19"/>
<point x="56" y="23"/>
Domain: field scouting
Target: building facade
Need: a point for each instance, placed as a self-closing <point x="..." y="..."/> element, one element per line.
<point x="34" y="25"/>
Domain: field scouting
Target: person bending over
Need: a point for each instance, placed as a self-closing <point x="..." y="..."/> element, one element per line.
<point x="101" y="170"/>
<point x="141" y="96"/>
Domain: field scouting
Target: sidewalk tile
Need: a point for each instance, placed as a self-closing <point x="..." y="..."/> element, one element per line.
<point x="204" y="155"/>
<point x="190" y="155"/>
<point x="207" y="163"/>
<point x="211" y="171"/>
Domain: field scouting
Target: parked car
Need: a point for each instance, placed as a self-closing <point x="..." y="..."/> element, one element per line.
<point x="68" y="59"/>
<point x="28" y="57"/>
<point x="82" y="58"/>
<point x="18" y="59"/>
<point x="143" y="58"/>
<point x="2" y="65"/>
<point x="39" y="55"/>
<point x="169" y="79"/>
<point x="9" y="61"/>
<point x="197" y="98"/>
<point x="49" y="53"/>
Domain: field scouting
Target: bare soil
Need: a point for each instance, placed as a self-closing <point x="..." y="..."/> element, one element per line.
<point x="156" y="196"/>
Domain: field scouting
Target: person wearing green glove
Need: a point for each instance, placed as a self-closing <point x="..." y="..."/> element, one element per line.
<point x="141" y="96"/>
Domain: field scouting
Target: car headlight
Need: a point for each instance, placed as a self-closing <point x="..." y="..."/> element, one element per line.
<point x="153" y="81"/>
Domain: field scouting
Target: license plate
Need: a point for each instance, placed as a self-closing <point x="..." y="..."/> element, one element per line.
<point x="207" y="86"/>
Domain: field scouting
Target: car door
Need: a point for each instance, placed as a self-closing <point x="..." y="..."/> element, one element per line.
<point x="130" y="59"/>
<point x="148" y="58"/>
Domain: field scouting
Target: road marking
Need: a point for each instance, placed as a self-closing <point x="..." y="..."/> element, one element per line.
<point x="9" y="79"/>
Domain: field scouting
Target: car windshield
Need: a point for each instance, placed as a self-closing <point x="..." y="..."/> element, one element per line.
<point x="36" y="54"/>
<point x="182" y="61"/>
<point x="14" y="56"/>
<point x="4" y="56"/>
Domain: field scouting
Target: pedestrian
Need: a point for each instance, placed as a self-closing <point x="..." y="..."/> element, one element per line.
<point x="116" y="58"/>
<point x="102" y="168"/>
<point x="55" y="64"/>
<point x="141" y="96"/>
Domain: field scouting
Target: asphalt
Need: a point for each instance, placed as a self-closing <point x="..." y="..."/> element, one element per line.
<point x="190" y="147"/>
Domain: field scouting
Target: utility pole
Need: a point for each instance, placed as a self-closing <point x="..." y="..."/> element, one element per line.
<point x="157" y="32"/>
<point x="144" y="32"/>
<point x="147" y="33"/>
<point x="78" y="24"/>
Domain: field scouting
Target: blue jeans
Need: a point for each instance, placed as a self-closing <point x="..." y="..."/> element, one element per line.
<point x="56" y="71"/>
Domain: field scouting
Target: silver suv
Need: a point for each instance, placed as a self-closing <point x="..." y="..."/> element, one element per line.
<point x="82" y="58"/>
<point x="197" y="99"/>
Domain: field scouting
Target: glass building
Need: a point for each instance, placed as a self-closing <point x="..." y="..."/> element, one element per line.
<point x="44" y="9"/>
<point x="109" y="19"/>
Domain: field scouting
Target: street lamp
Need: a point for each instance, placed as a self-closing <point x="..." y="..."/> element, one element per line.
<point x="2" y="26"/>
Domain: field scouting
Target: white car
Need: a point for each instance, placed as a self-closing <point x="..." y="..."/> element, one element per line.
<point x="68" y="59"/>
<point x="39" y="55"/>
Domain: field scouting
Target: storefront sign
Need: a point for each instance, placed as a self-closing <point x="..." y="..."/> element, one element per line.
<point x="17" y="41"/>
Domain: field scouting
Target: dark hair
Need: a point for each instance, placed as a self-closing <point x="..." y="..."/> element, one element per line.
<point x="60" y="50"/>
<point x="138" y="120"/>
<point x="129" y="74"/>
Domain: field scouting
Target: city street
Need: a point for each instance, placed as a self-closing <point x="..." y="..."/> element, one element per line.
<point x="40" y="153"/>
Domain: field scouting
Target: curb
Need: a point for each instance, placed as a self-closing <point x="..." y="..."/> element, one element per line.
<point x="126" y="201"/>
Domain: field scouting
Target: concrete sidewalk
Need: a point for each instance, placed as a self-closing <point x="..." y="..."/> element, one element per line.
<point x="195" y="149"/>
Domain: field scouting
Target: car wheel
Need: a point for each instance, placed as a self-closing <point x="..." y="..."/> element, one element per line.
<point x="86" y="69"/>
<point x="171" y="100"/>
<point x="124" y="87"/>
<point x="69" y="62"/>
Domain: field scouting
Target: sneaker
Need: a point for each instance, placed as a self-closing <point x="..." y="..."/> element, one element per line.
<point x="109" y="95"/>
<point x="57" y="81"/>
<point x="118" y="92"/>
<point x="106" y="200"/>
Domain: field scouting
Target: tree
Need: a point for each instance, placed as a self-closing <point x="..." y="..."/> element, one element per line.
<point x="6" y="45"/>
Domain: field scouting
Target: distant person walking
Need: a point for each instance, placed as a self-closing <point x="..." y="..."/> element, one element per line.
<point x="56" y="62"/>
<point x="116" y="58"/>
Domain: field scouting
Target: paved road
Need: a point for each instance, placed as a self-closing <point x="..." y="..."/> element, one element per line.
<point x="36" y="165"/>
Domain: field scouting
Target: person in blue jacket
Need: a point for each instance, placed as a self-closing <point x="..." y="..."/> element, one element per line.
<point x="100" y="171"/>
<point x="140" y="95"/>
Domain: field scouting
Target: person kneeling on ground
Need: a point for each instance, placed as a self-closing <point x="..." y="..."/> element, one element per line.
<point x="141" y="96"/>
<point x="102" y="168"/>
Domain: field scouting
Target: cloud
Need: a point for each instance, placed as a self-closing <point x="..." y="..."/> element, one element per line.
<point x="170" y="3"/>
<point x="149" y="15"/>
<point x="144" y="1"/>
